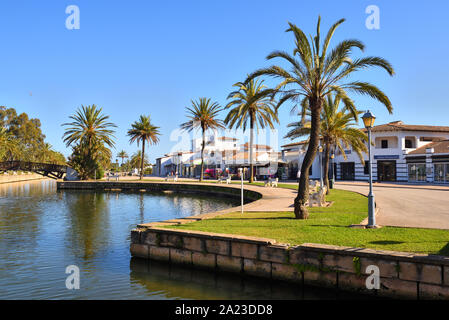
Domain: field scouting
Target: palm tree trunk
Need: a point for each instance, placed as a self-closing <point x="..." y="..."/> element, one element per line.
<point x="327" y="151"/>
<point x="251" y="141"/>
<point x="202" y="154"/>
<point x="301" y="211"/>
<point x="142" y="160"/>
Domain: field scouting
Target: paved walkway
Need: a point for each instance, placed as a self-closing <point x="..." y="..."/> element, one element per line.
<point x="406" y="205"/>
<point x="273" y="199"/>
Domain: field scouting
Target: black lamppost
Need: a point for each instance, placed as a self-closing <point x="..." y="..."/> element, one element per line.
<point x="368" y="121"/>
<point x="320" y="149"/>
<point x="333" y="170"/>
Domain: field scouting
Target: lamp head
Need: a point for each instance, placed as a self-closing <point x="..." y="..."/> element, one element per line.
<point x="368" y="119"/>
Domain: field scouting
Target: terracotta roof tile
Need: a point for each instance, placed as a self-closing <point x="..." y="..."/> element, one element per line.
<point x="400" y="126"/>
<point x="438" y="146"/>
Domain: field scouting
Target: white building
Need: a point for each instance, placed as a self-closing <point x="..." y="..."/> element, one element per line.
<point x="220" y="154"/>
<point x="396" y="147"/>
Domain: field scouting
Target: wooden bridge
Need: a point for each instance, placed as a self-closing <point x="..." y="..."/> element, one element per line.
<point x="54" y="171"/>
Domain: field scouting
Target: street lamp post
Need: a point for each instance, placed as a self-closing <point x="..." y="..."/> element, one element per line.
<point x="333" y="170"/>
<point x="241" y="179"/>
<point x="320" y="149"/>
<point x="368" y="121"/>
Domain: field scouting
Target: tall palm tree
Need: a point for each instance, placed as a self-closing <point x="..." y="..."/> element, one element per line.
<point x="337" y="131"/>
<point x="143" y="131"/>
<point x="136" y="159"/>
<point x="89" y="128"/>
<point x="315" y="74"/>
<point x="203" y="115"/>
<point x="122" y="154"/>
<point x="251" y="102"/>
<point x="90" y="133"/>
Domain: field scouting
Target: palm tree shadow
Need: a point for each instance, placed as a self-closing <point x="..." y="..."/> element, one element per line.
<point x="385" y="242"/>
<point x="444" y="251"/>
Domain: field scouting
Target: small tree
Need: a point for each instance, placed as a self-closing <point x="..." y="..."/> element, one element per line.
<point x="88" y="134"/>
<point x="203" y="115"/>
<point x="143" y="131"/>
<point x="251" y="102"/>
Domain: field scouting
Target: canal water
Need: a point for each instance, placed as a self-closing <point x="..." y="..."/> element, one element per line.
<point x="43" y="230"/>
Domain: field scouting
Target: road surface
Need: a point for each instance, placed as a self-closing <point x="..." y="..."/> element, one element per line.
<point x="420" y="206"/>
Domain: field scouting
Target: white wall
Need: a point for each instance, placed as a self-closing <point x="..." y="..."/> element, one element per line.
<point x="396" y="151"/>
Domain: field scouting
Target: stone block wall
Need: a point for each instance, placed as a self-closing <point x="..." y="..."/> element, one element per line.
<point x="215" y="190"/>
<point x="402" y="275"/>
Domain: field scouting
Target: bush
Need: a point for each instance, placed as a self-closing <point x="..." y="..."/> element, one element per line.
<point x="99" y="173"/>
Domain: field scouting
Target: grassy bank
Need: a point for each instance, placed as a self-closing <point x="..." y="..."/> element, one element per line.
<point x="328" y="226"/>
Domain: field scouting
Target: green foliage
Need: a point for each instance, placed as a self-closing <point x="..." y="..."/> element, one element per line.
<point x="122" y="155"/>
<point x="203" y="114"/>
<point x="338" y="128"/>
<point x="252" y="103"/>
<point x="89" y="135"/>
<point x="89" y="129"/>
<point x="143" y="131"/>
<point x="357" y="265"/>
<point x="136" y="160"/>
<point x="99" y="173"/>
<point x="21" y="138"/>
<point x="148" y="170"/>
<point x="314" y="73"/>
<point x="158" y="239"/>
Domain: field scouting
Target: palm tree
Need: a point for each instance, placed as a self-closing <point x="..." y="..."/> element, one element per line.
<point x="89" y="128"/>
<point x="337" y="131"/>
<point x="313" y="76"/>
<point x="203" y="115"/>
<point x="143" y="131"/>
<point x="45" y="153"/>
<point x="136" y="159"/>
<point x="122" y="154"/>
<point x="252" y="102"/>
<point x="9" y="146"/>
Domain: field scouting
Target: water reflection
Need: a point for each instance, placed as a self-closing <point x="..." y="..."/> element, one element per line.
<point x="43" y="230"/>
<point x="175" y="282"/>
<point x="88" y="223"/>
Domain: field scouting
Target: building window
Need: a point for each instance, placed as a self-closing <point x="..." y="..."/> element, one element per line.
<point x="366" y="168"/>
<point x="384" y="144"/>
<point x="441" y="172"/>
<point x="416" y="172"/>
<point x="408" y="143"/>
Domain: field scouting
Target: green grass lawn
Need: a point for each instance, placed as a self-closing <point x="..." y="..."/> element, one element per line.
<point x="328" y="226"/>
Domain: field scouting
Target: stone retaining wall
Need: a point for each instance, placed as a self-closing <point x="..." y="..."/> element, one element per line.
<point x="217" y="190"/>
<point x="404" y="275"/>
<point x="9" y="178"/>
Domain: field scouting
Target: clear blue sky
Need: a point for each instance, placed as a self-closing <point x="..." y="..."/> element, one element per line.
<point x="152" y="57"/>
